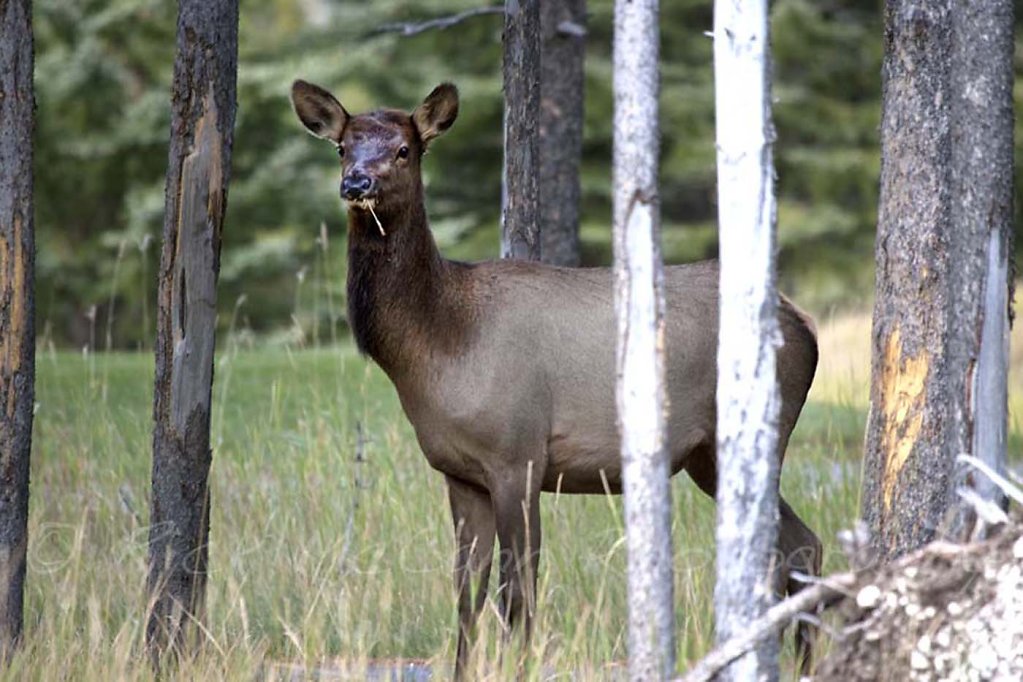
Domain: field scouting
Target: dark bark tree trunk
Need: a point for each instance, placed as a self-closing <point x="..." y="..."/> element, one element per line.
<point x="945" y="204"/>
<point x="199" y="164"/>
<point x="982" y="175"/>
<point x="563" y="27"/>
<point x="520" y="227"/>
<point x="17" y="309"/>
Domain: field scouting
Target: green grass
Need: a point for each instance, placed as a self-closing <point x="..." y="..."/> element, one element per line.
<point x="315" y="556"/>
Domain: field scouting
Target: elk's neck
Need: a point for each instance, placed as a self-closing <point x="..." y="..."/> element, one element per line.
<point x="402" y="295"/>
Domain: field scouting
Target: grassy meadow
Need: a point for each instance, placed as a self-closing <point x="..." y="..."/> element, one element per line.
<point x="317" y="556"/>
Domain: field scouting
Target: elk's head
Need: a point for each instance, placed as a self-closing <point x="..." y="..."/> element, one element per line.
<point x="379" y="151"/>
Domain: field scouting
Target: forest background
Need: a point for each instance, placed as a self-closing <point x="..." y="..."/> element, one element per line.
<point x="103" y="75"/>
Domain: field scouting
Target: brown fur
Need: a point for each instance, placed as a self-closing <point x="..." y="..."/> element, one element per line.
<point x="506" y="368"/>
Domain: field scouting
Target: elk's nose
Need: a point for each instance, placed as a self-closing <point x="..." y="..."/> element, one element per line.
<point x="355" y="185"/>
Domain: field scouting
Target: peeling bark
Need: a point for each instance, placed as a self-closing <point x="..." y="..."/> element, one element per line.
<point x="520" y="225"/>
<point x="17" y="316"/>
<point x="748" y="398"/>
<point x="639" y="307"/>
<point x="199" y="164"/>
<point x="562" y="23"/>
<point x="941" y="312"/>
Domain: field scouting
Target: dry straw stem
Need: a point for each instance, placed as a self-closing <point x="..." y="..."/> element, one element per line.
<point x="380" y="227"/>
<point x="369" y="204"/>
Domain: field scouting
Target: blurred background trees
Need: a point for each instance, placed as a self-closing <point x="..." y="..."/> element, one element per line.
<point x="103" y="76"/>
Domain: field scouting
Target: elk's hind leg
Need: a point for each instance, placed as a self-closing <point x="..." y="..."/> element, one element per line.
<point x="798" y="547"/>
<point x="473" y="515"/>
<point x="801" y="551"/>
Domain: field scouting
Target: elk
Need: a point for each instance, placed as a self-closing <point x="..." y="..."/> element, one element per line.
<point x="506" y="368"/>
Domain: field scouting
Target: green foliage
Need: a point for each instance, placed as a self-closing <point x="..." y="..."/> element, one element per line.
<point x="827" y="86"/>
<point x="103" y="80"/>
<point x="102" y="84"/>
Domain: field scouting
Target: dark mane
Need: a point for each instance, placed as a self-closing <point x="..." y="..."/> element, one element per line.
<point x="404" y="298"/>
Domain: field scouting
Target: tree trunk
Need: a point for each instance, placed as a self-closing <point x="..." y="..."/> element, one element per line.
<point x="17" y="309"/>
<point x="982" y="175"/>
<point x="520" y="226"/>
<point x="639" y="306"/>
<point x="748" y="400"/>
<point x="563" y="24"/>
<point x="945" y="208"/>
<point x="203" y="102"/>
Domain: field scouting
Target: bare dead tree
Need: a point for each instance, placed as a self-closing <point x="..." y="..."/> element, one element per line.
<point x="199" y="165"/>
<point x="748" y="399"/>
<point x="17" y="309"/>
<point x="639" y="305"/>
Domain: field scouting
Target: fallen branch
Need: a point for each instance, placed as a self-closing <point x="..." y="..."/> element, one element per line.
<point x="826" y="590"/>
<point x="440" y="23"/>
<point x="771" y="623"/>
<point x="1006" y="486"/>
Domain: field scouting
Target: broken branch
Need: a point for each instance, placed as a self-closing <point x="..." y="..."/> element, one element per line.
<point x="440" y="23"/>
<point x="771" y="623"/>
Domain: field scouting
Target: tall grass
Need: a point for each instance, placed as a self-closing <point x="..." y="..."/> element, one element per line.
<point x="318" y="555"/>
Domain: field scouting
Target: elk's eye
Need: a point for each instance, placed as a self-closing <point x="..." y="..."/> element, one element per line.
<point x="403" y="152"/>
<point x="341" y="151"/>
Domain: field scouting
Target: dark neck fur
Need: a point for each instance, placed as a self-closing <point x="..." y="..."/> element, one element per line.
<point x="399" y="287"/>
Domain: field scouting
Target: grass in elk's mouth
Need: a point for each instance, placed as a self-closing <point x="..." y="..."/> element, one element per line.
<point x="324" y="550"/>
<point x="369" y="205"/>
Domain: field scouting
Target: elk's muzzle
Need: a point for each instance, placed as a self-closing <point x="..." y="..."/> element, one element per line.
<point x="355" y="186"/>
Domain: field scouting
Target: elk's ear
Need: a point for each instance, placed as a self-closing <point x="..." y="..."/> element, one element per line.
<point x="437" y="112"/>
<point x="319" y="111"/>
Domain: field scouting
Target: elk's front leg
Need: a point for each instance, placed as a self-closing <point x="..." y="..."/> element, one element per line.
<point x="516" y="499"/>
<point x="473" y="514"/>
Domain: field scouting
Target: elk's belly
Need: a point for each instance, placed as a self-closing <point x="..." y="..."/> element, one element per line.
<point x="598" y="479"/>
<point x="583" y="454"/>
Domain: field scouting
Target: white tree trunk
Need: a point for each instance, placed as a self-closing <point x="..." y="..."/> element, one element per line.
<point x="748" y="399"/>
<point x="639" y="304"/>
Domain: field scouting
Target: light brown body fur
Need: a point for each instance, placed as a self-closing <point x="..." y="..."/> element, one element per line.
<point x="506" y="369"/>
